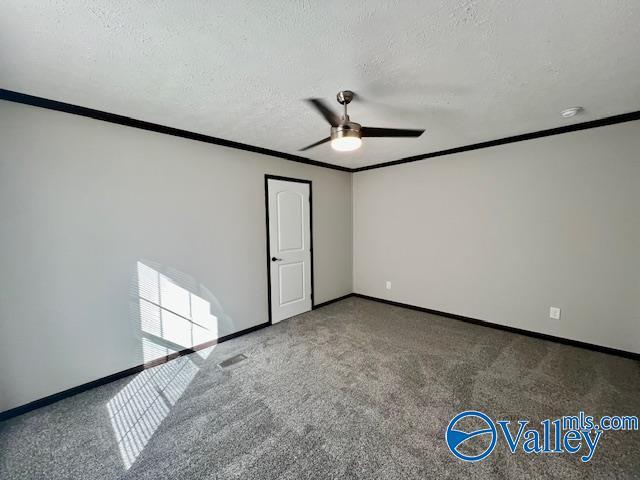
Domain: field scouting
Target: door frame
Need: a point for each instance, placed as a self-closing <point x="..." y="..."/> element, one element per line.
<point x="268" y="177"/>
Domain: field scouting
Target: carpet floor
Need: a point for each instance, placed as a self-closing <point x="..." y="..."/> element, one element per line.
<point x="356" y="389"/>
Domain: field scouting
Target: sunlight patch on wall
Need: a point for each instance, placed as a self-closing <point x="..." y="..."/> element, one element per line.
<point x="171" y="319"/>
<point x="170" y="312"/>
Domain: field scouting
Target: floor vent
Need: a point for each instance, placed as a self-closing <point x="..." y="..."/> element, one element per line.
<point x="232" y="361"/>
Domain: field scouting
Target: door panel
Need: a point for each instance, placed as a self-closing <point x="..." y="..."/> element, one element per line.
<point x="289" y="247"/>
<point x="290" y="221"/>
<point x="291" y="282"/>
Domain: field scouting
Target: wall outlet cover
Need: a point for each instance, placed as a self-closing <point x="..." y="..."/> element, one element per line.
<point x="387" y="285"/>
<point x="554" y="313"/>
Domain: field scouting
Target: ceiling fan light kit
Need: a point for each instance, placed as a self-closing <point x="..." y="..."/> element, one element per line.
<point x="345" y="135"/>
<point x="346" y="142"/>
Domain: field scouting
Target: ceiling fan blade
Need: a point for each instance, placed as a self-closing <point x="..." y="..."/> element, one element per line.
<point x="328" y="114"/>
<point x="324" y="140"/>
<point x="390" y="132"/>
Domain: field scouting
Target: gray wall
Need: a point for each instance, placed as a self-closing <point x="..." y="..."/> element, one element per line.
<point x="502" y="234"/>
<point x="82" y="201"/>
<point x="498" y="234"/>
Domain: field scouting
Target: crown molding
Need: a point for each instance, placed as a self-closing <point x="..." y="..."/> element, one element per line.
<point x="41" y="102"/>
<point x="602" y="122"/>
<point x="34" y="101"/>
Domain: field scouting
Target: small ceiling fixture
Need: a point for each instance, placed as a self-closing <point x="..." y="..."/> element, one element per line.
<point x="346" y="135"/>
<point x="571" y="112"/>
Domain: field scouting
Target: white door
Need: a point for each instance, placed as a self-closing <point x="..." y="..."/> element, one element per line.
<point x="289" y="247"/>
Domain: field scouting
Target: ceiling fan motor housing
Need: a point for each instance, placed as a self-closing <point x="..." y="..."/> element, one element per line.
<point x="346" y="129"/>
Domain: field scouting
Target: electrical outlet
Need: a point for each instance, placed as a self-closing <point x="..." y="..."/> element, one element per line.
<point x="554" y="313"/>
<point x="387" y="285"/>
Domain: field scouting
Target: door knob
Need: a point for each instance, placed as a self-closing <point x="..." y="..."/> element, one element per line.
<point x="276" y="259"/>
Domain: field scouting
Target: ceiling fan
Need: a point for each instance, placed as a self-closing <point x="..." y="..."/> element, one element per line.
<point x="346" y="135"/>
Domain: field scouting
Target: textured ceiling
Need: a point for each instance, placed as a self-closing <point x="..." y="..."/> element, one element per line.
<point x="467" y="71"/>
